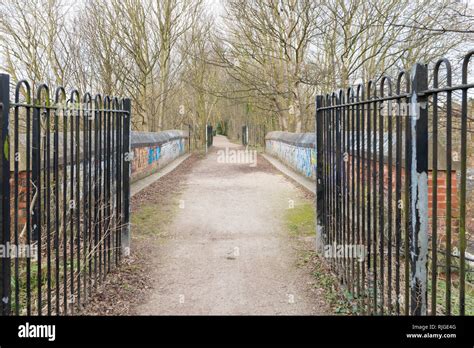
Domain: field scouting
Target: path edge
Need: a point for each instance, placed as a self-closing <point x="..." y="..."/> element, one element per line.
<point x="141" y="184"/>
<point x="299" y="179"/>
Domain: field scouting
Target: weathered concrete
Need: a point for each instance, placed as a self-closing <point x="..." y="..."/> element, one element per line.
<point x="297" y="150"/>
<point x="142" y="139"/>
<point x="297" y="139"/>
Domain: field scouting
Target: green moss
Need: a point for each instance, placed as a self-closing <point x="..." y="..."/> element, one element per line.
<point x="22" y="280"/>
<point x="300" y="220"/>
<point x="441" y="297"/>
<point x="151" y="218"/>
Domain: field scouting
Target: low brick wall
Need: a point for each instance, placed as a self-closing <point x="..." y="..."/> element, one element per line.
<point x="151" y="151"/>
<point x="298" y="151"/>
<point x="441" y="187"/>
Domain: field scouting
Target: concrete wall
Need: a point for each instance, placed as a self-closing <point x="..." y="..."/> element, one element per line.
<point x="152" y="151"/>
<point x="297" y="150"/>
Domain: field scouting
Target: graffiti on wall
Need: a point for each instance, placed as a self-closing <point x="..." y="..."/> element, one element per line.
<point x="302" y="159"/>
<point x="149" y="158"/>
<point x="153" y="154"/>
<point x="172" y="149"/>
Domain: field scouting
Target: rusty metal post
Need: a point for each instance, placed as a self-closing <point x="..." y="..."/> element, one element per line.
<point x="127" y="170"/>
<point x="418" y="186"/>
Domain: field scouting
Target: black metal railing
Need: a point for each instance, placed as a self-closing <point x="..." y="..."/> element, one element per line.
<point x="65" y="191"/>
<point x="209" y="135"/>
<point x="245" y="135"/>
<point x="392" y="203"/>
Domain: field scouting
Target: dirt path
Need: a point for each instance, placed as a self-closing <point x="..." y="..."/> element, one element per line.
<point x="227" y="249"/>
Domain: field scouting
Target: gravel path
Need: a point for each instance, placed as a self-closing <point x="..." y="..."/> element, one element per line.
<point x="227" y="250"/>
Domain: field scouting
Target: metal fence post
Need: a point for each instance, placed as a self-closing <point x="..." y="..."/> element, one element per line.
<point x="319" y="176"/>
<point x="189" y="137"/>
<point x="418" y="187"/>
<point x="245" y="135"/>
<point x="127" y="170"/>
<point x="5" y="286"/>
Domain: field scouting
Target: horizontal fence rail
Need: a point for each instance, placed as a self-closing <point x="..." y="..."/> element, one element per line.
<point x="393" y="212"/>
<point x="65" y="195"/>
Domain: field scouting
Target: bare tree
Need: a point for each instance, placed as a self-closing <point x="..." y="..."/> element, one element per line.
<point x="34" y="40"/>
